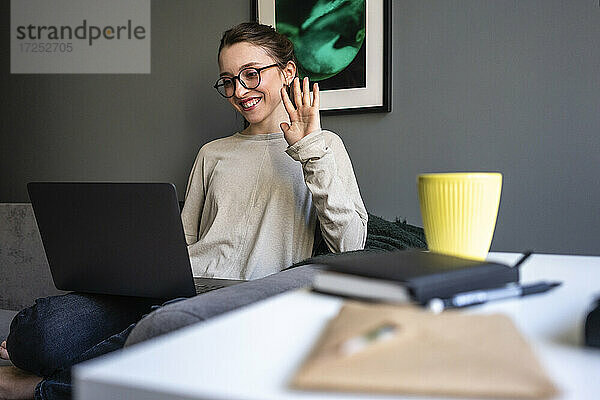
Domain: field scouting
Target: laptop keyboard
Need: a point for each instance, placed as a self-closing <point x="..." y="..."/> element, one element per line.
<point x="207" y="287"/>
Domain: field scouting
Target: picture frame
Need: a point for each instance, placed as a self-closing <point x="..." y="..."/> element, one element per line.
<point x="363" y="86"/>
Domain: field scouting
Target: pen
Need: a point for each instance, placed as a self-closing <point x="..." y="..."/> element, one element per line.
<point x="483" y="296"/>
<point x="358" y="343"/>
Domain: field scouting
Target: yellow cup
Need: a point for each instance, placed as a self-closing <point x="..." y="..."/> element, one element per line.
<point x="459" y="211"/>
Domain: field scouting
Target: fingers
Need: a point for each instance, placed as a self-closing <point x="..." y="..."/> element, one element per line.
<point x="305" y="92"/>
<point x="287" y="103"/>
<point x="297" y="92"/>
<point x="285" y="127"/>
<point x="302" y="95"/>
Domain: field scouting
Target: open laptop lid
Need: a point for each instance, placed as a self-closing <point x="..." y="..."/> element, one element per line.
<point x="113" y="238"/>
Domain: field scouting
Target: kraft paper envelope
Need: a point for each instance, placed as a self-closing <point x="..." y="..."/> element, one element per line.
<point x="448" y="354"/>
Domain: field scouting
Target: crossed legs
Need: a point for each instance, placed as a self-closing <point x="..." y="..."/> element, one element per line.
<point x="57" y="332"/>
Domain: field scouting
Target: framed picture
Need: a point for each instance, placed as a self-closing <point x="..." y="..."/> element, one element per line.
<point x="345" y="46"/>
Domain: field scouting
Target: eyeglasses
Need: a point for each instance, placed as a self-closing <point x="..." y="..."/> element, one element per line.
<point x="248" y="77"/>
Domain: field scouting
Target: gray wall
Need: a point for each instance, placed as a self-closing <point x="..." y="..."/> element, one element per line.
<point x="509" y="86"/>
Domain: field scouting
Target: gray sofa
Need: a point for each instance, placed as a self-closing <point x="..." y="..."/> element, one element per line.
<point x="25" y="276"/>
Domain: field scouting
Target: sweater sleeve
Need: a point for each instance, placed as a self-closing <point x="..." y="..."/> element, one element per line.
<point x="194" y="201"/>
<point x="329" y="175"/>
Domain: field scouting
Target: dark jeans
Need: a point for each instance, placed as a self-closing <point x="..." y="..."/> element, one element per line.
<point x="57" y="332"/>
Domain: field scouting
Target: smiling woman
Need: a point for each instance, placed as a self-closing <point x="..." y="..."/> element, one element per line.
<point x="291" y="177"/>
<point x="264" y="84"/>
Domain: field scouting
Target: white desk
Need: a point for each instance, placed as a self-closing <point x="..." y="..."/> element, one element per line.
<point x="253" y="352"/>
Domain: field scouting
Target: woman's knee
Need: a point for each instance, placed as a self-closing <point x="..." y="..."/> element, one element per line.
<point x="28" y="341"/>
<point x="46" y="335"/>
<point x="56" y="330"/>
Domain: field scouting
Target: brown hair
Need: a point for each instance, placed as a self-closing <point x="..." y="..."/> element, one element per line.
<point x="276" y="45"/>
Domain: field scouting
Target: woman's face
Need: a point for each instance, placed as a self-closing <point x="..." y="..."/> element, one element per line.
<point x="256" y="105"/>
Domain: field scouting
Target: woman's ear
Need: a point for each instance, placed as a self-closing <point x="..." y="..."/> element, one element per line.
<point x="289" y="72"/>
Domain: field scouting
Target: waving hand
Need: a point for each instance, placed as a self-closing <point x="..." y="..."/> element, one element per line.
<point x="304" y="117"/>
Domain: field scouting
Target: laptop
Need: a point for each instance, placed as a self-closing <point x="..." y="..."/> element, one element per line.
<point x="116" y="238"/>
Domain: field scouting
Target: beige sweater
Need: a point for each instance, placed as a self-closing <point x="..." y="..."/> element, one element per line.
<point x="250" y="209"/>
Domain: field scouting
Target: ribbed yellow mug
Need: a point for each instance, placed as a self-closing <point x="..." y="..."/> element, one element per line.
<point x="459" y="211"/>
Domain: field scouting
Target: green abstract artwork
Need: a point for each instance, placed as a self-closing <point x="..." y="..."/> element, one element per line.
<point x="328" y="38"/>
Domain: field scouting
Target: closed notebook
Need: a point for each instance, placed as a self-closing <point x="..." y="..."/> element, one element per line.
<point x="449" y="354"/>
<point x="409" y="275"/>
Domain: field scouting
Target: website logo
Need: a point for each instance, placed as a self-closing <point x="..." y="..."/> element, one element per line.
<point x="80" y="36"/>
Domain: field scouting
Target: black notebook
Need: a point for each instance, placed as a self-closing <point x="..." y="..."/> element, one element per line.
<point x="408" y="275"/>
